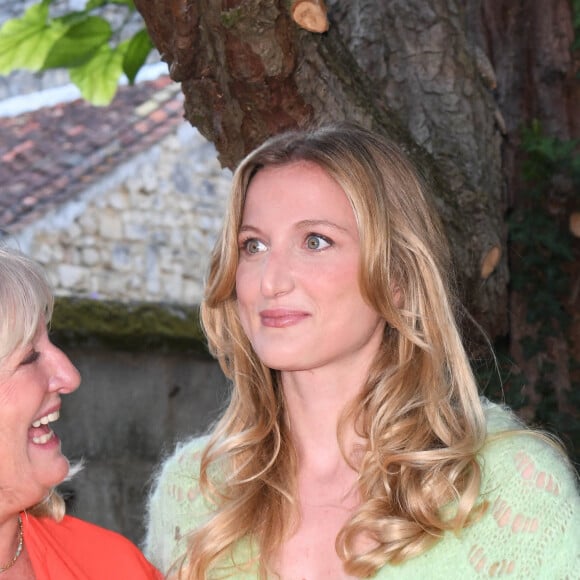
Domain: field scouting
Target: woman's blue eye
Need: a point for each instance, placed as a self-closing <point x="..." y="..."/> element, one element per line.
<point x="253" y="246"/>
<point x="317" y="242"/>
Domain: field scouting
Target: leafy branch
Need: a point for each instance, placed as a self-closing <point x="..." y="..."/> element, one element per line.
<point x="84" y="42"/>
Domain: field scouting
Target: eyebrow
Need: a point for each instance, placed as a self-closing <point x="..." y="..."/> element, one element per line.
<point x="304" y="224"/>
<point x="314" y="223"/>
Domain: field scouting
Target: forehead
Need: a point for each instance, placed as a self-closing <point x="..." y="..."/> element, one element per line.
<point x="298" y="190"/>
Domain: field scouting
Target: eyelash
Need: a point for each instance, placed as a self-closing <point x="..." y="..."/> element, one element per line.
<point x="323" y="238"/>
<point x="245" y="242"/>
<point x="30" y="358"/>
<point x="319" y="236"/>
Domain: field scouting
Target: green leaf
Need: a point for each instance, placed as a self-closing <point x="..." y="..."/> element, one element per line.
<point x="98" y="78"/>
<point x="138" y="49"/>
<point x="129" y="3"/>
<point x="92" y="4"/>
<point x="79" y="44"/>
<point x="73" y="18"/>
<point x="25" y="42"/>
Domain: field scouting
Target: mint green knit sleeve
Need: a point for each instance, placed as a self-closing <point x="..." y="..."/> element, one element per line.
<point x="175" y="506"/>
<point x="534" y="511"/>
<point x="567" y="557"/>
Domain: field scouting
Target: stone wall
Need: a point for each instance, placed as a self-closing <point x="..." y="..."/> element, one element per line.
<point x="144" y="233"/>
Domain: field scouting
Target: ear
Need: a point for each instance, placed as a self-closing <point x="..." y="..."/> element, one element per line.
<point x="397" y="295"/>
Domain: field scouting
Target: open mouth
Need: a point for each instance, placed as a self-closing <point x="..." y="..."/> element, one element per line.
<point x="40" y="431"/>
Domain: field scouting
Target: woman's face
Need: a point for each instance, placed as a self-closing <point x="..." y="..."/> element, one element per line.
<point x="32" y="380"/>
<point x="297" y="285"/>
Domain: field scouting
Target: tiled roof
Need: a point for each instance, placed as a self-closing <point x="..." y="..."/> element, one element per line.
<point x="48" y="156"/>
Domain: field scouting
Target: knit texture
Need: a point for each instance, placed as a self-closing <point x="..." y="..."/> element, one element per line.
<point x="531" y="529"/>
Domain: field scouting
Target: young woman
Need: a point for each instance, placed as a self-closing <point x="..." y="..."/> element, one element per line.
<point x="355" y="443"/>
<point x="37" y="540"/>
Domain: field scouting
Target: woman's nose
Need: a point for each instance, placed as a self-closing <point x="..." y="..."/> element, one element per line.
<point x="65" y="377"/>
<point x="277" y="277"/>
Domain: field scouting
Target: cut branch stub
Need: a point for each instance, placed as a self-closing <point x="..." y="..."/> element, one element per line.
<point x="490" y="262"/>
<point x="575" y="224"/>
<point x="310" y="15"/>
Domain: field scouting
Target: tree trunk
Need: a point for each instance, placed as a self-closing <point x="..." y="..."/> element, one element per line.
<point x="452" y="81"/>
<point x="529" y="43"/>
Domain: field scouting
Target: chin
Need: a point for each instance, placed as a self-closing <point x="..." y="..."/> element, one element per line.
<point x="54" y="474"/>
<point x="277" y="354"/>
<point x="283" y="364"/>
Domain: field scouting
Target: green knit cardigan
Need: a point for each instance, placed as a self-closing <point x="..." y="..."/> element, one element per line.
<point x="530" y="531"/>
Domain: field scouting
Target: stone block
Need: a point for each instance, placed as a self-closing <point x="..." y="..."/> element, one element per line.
<point x="72" y="278"/>
<point x="110" y="225"/>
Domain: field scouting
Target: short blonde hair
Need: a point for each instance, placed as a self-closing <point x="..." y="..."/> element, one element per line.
<point x="25" y="299"/>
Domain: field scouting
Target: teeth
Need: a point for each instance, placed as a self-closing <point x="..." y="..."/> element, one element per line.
<point x="47" y="419"/>
<point x="43" y="438"/>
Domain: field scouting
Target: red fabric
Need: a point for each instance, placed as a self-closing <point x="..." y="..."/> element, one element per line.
<point x="76" y="550"/>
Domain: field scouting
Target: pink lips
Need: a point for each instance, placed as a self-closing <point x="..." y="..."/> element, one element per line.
<point x="281" y="317"/>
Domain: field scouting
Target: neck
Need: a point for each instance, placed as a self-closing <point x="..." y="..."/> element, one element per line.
<point x="314" y="403"/>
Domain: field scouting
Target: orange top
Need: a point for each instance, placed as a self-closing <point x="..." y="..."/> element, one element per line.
<point x="76" y="550"/>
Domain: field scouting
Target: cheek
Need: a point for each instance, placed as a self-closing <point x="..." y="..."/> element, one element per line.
<point x="245" y="291"/>
<point x="243" y="285"/>
<point x="336" y="279"/>
<point x="342" y="288"/>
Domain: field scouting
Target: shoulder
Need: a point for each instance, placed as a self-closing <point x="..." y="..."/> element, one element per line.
<point x="73" y="529"/>
<point x="76" y="545"/>
<point x="175" y="505"/>
<point x="93" y="533"/>
<point x="532" y="492"/>
<point x="518" y="456"/>
<point x="178" y="475"/>
<point x="186" y="456"/>
<point x="92" y="536"/>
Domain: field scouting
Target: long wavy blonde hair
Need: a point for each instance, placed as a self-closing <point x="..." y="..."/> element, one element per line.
<point x="419" y="410"/>
<point x="26" y="301"/>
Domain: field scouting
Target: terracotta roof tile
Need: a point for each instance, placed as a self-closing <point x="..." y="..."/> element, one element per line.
<point x="48" y="156"/>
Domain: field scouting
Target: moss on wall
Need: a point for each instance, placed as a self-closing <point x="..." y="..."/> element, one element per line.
<point x="134" y="327"/>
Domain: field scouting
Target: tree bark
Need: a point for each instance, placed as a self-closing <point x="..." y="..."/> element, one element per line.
<point x="407" y="69"/>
